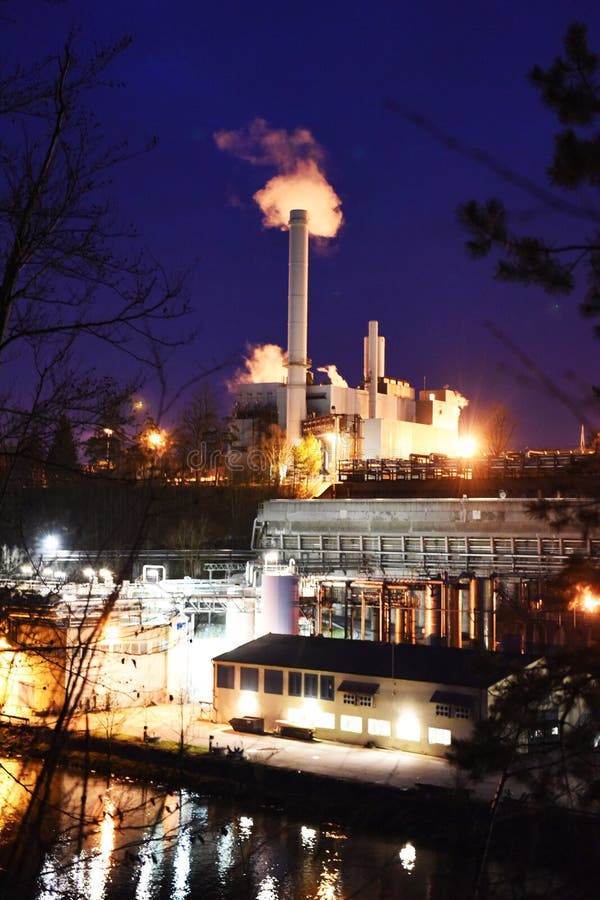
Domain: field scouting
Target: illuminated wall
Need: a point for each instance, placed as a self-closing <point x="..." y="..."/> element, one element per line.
<point x="391" y="713"/>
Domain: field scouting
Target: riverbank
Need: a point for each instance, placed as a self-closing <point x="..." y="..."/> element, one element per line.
<point x="450" y="818"/>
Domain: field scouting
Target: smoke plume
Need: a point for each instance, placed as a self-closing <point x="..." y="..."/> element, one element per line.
<point x="300" y="182"/>
<point x="265" y="363"/>
<point x="333" y="375"/>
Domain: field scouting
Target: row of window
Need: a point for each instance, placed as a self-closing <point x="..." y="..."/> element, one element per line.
<point x="358" y="699"/>
<point x="374" y="727"/>
<point x="458" y="712"/>
<point x="299" y="684"/>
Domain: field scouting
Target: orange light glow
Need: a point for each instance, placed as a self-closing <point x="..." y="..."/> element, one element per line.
<point x="156" y="440"/>
<point x="467" y="446"/>
<point x="585" y="600"/>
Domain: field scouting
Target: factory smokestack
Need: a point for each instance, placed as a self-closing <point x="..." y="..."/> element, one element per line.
<point x="297" y="324"/>
<point x="374" y="364"/>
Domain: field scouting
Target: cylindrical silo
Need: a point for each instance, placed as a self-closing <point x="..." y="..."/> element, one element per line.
<point x="279" y="604"/>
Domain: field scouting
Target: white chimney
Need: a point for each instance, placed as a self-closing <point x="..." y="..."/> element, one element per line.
<point x="373" y="367"/>
<point x="297" y="325"/>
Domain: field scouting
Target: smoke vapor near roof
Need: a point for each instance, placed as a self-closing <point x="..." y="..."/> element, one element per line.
<point x="333" y="375"/>
<point x="265" y="363"/>
<point x="300" y="182"/>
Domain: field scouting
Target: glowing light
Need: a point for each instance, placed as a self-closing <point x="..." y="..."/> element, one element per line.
<point x="89" y="573"/>
<point x="27" y="569"/>
<point x="267" y="889"/>
<point x="111" y="634"/>
<point x="584" y="599"/>
<point x="247" y="703"/>
<point x="182" y="867"/>
<point x="329" y="879"/>
<point x="156" y="439"/>
<point x="51" y="543"/>
<point x="105" y="574"/>
<point x="408" y="856"/>
<point x="99" y="865"/>
<point x="246" y="826"/>
<point x="467" y="446"/>
<point x="308" y="836"/>
<point x="271" y="558"/>
<point x="408" y="727"/>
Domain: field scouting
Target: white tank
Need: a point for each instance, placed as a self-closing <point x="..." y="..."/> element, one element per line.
<point x="280" y="604"/>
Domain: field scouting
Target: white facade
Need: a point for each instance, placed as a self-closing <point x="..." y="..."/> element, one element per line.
<point x="421" y="716"/>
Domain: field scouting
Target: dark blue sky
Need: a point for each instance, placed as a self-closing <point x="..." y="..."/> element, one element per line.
<point x="196" y="68"/>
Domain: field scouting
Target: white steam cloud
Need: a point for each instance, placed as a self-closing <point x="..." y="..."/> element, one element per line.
<point x="265" y="363"/>
<point x="333" y="375"/>
<point x="300" y="182"/>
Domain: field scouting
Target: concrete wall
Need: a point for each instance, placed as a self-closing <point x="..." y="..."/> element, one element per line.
<point x="413" y="516"/>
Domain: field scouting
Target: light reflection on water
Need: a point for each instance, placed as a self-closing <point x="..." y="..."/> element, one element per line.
<point x="137" y="842"/>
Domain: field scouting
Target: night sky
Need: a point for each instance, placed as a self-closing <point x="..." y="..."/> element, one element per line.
<point x="198" y="68"/>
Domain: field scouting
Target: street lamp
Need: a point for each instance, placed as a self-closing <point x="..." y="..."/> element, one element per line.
<point x="156" y="440"/>
<point x="51" y="543"/>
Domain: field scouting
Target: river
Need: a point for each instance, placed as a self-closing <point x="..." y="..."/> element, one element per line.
<point x="126" y="841"/>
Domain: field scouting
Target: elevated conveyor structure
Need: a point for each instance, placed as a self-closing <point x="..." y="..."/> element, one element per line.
<point x="419" y="538"/>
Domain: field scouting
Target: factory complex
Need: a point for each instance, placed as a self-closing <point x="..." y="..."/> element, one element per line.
<point x="365" y="615"/>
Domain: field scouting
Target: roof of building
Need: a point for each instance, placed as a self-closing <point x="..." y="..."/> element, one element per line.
<point x="410" y="662"/>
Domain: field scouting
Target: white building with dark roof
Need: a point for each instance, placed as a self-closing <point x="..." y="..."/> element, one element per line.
<point x="397" y="696"/>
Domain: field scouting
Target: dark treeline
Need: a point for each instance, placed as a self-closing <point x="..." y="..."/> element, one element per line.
<point x="99" y="515"/>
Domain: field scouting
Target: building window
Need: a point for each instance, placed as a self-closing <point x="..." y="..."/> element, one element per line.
<point x="248" y="679"/>
<point x="351" y="723"/>
<point x="327" y="687"/>
<point x="440" y="736"/>
<point x="379" y="727"/>
<point x="311" y="684"/>
<point x="365" y="700"/>
<point x="350" y="699"/>
<point x="462" y="712"/>
<point x="295" y="684"/>
<point x="324" y="719"/>
<point x="442" y="709"/>
<point x="225" y="676"/>
<point x="273" y="681"/>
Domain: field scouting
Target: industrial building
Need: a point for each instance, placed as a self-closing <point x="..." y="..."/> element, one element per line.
<point x="455" y="571"/>
<point x="381" y="418"/>
<point x="396" y="696"/>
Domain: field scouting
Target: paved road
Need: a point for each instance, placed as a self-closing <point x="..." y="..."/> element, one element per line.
<point x="393" y="767"/>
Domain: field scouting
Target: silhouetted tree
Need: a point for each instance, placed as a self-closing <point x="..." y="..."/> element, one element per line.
<point x="498" y="430"/>
<point x="62" y="461"/>
<point x="571" y="89"/>
<point x="202" y="436"/>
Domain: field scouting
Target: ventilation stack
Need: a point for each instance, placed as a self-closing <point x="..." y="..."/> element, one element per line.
<point x="297" y="325"/>
<point x="374" y="364"/>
